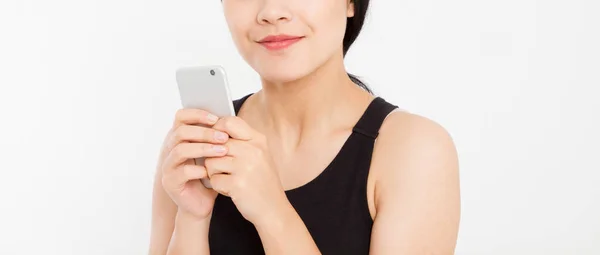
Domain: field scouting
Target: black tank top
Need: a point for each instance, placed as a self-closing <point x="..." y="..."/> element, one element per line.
<point x="333" y="206"/>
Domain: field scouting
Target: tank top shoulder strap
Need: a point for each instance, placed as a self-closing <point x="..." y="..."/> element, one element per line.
<point x="373" y="117"/>
<point x="237" y="104"/>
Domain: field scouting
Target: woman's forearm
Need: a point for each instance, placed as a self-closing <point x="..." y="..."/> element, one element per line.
<point x="190" y="236"/>
<point x="285" y="233"/>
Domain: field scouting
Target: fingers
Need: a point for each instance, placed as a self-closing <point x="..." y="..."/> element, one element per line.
<point x="187" y="172"/>
<point x="221" y="183"/>
<point x="185" y="151"/>
<point x="236" y="128"/>
<point x="236" y="148"/>
<point x="216" y="166"/>
<point x="194" y="117"/>
<point x="182" y="174"/>
<point x="190" y="133"/>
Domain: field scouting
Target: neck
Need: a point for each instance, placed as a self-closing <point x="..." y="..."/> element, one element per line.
<point x="309" y="106"/>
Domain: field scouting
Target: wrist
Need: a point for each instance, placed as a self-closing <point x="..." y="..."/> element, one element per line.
<point x="190" y="219"/>
<point x="284" y="232"/>
<point x="277" y="218"/>
<point x="190" y="234"/>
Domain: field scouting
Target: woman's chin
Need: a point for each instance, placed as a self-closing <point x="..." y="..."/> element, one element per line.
<point x="279" y="75"/>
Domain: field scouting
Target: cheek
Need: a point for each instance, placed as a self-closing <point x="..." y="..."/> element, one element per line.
<point x="328" y="22"/>
<point x="239" y="22"/>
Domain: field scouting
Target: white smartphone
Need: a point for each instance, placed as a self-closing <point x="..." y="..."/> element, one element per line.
<point x="205" y="88"/>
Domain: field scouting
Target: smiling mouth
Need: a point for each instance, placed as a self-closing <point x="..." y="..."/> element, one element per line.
<point x="279" y="42"/>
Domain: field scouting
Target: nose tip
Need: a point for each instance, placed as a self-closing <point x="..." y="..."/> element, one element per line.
<point x="276" y="20"/>
<point x="272" y="14"/>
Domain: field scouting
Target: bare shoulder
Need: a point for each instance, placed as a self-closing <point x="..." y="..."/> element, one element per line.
<point x="417" y="198"/>
<point x="407" y="138"/>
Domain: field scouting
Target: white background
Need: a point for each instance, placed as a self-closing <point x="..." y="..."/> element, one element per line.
<point x="87" y="92"/>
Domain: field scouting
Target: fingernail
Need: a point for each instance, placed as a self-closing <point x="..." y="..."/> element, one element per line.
<point x="219" y="148"/>
<point x="212" y="118"/>
<point x="220" y="136"/>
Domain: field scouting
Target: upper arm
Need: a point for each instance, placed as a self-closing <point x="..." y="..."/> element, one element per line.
<point x="417" y="188"/>
<point x="163" y="218"/>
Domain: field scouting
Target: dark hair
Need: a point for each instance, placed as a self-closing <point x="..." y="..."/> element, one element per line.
<point x="353" y="27"/>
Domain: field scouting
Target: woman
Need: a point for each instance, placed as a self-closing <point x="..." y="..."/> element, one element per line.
<point x="313" y="164"/>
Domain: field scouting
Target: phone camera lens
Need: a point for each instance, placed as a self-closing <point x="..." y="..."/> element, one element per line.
<point x="212" y="72"/>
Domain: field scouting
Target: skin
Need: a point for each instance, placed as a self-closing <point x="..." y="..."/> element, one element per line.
<point x="287" y="133"/>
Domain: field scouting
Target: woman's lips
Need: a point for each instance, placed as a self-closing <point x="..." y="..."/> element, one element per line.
<point x="279" y="42"/>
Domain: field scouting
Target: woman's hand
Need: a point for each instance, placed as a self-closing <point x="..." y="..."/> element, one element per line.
<point x="246" y="173"/>
<point x="191" y="137"/>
